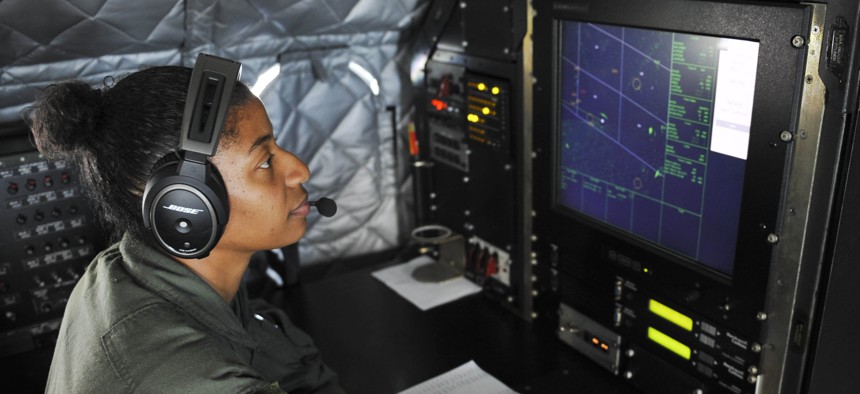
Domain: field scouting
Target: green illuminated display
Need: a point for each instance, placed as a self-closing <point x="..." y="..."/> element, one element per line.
<point x="669" y="343"/>
<point x="671" y="315"/>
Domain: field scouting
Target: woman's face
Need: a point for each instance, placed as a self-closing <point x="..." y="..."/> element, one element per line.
<point x="268" y="205"/>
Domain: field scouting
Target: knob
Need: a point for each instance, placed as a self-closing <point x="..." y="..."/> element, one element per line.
<point x="65" y="178"/>
<point x="48" y="181"/>
<point x="12" y="188"/>
<point x="39" y="215"/>
<point x="56" y="212"/>
<point x="21" y="219"/>
<point x="31" y="184"/>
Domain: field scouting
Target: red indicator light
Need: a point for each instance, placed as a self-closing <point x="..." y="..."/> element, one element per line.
<point x="438" y="104"/>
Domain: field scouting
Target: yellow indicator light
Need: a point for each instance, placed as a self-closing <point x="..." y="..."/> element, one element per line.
<point x="495" y="90"/>
<point x="645" y="270"/>
<point x="485" y="111"/>
<point x="472" y="118"/>
<point x="481" y="86"/>
<point x="671" y="315"/>
<point x="595" y="341"/>
<point x="669" y="343"/>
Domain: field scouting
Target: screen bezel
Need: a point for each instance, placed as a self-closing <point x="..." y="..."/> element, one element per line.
<point x="778" y="78"/>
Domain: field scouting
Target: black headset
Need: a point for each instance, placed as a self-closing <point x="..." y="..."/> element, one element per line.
<point x="185" y="201"/>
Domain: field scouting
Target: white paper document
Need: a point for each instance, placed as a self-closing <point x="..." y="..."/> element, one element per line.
<point x="468" y="378"/>
<point x="424" y="295"/>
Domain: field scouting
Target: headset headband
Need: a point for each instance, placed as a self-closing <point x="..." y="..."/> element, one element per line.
<point x="208" y="97"/>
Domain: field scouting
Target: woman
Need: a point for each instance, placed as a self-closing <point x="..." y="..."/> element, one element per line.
<point x="140" y="319"/>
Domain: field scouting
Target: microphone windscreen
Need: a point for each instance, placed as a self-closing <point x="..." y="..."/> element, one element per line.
<point x="326" y="207"/>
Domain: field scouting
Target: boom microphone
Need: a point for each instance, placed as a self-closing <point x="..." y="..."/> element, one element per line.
<point x="325" y="206"/>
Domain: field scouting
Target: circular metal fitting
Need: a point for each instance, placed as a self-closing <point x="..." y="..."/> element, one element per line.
<point x="786" y="136"/>
<point x="772" y="238"/>
<point x="761" y="316"/>
<point x="797" y="41"/>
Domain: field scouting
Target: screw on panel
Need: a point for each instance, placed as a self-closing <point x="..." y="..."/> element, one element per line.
<point x="772" y="238"/>
<point x="756" y="348"/>
<point x="815" y="29"/>
<point x="465" y="179"/>
<point x="797" y="41"/>
<point x="786" y="136"/>
<point x="809" y="79"/>
<point x="628" y="375"/>
<point x="761" y="316"/>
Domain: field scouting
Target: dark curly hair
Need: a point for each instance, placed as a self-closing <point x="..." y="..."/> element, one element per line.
<point x="115" y="134"/>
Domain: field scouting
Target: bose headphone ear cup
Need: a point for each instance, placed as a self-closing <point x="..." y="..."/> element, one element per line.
<point x="185" y="202"/>
<point x="186" y="216"/>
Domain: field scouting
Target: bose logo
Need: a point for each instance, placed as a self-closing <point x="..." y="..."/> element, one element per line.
<point x="177" y="208"/>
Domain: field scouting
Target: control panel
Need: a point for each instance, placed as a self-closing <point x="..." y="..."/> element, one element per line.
<point x="472" y="146"/>
<point x="48" y="236"/>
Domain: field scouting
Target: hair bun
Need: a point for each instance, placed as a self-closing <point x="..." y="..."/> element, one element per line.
<point x="65" y="118"/>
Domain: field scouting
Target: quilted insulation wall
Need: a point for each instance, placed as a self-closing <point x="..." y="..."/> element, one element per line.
<point x="341" y="101"/>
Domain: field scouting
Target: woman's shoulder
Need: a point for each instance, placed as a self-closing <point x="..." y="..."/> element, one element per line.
<point x="106" y="293"/>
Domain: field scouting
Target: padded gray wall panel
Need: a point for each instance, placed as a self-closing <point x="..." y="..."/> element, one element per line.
<point x="46" y="40"/>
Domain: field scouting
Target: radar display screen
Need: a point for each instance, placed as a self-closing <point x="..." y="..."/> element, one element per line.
<point x="654" y="134"/>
